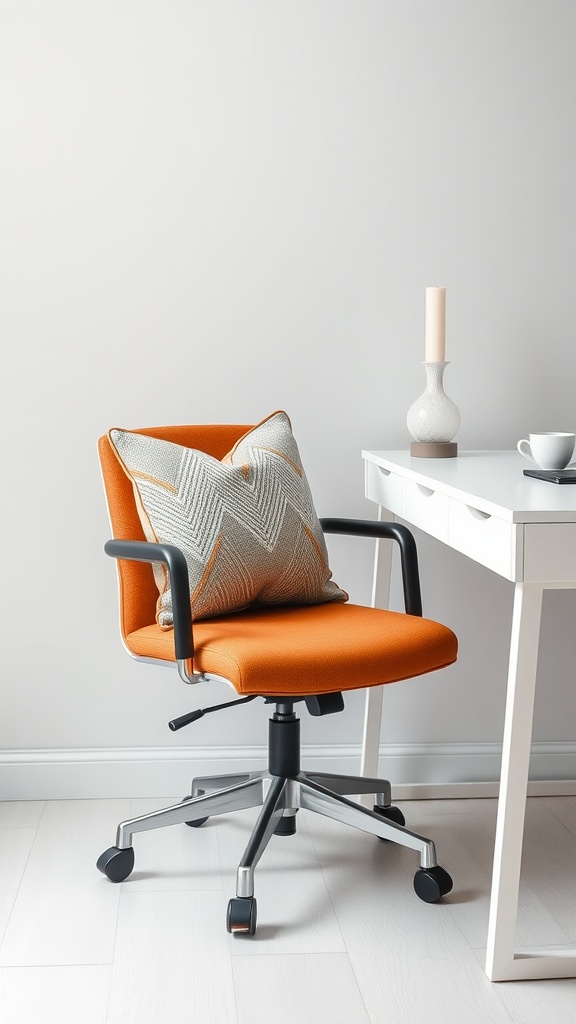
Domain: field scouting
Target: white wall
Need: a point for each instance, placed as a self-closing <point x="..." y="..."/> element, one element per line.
<point x="211" y="210"/>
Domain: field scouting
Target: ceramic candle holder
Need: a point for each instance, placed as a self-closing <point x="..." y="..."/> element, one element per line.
<point x="433" y="419"/>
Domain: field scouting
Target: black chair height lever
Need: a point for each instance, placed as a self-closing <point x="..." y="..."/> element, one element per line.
<point x="193" y="716"/>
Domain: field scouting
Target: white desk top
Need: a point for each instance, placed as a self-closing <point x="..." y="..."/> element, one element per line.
<point x="491" y="481"/>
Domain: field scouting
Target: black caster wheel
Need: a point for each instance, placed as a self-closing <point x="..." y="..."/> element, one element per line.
<point x="116" y="864"/>
<point x="430" y="884"/>
<point x="197" y="821"/>
<point x="392" y="813"/>
<point x="286" y="826"/>
<point x="241" y="917"/>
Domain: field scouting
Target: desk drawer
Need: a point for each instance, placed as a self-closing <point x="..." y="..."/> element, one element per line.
<point x="550" y="551"/>
<point x="427" y="509"/>
<point x="488" y="540"/>
<point x="384" y="487"/>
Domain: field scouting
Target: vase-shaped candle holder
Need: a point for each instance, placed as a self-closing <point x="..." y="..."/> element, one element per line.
<point x="433" y="419"/>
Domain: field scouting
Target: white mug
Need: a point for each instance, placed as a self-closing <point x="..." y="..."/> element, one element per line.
<point x="551" y="450"/>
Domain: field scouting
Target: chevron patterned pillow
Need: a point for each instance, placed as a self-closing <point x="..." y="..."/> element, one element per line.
<point x="247" y="525"/>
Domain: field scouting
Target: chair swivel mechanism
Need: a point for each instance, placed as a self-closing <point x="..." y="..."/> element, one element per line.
<point x="285" y="655"/>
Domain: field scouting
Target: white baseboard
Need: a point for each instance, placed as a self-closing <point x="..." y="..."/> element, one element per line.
<point x="417" y="771"/>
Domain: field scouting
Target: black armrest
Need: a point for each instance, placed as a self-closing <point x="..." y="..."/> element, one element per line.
<point x="144" y="551"/>
<point x="408" y="553"/>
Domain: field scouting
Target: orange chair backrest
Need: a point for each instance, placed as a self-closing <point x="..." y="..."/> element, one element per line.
<point x="138" y="592"/>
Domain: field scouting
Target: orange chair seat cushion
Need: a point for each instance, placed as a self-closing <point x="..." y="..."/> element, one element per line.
<point x="308" y="650"/>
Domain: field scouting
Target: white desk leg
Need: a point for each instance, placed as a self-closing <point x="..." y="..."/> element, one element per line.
<point x="500" y="961"/>
<point x="373" y="705"/>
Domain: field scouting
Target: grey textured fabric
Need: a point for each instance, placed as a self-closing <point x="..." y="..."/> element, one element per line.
<point x="247" y="525"/>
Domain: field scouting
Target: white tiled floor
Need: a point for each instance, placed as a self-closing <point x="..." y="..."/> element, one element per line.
<point x="341" y="935"/>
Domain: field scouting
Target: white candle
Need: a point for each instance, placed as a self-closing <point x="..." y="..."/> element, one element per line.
<point x="435" y="325"/>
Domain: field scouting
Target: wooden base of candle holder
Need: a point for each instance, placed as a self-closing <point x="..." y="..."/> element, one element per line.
<point x="434" y="449"/>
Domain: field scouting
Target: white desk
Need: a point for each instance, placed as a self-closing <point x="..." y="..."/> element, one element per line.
<point x="482" y="505"/>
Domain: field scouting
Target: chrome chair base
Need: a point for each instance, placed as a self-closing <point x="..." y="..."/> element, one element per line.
<point x="281" y="791"/>
<point x="281" y="797"/>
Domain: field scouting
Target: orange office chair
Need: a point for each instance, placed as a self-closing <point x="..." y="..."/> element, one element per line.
<point x="283" y="653"/>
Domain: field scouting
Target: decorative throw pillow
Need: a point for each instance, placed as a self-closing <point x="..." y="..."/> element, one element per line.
<point x="247" y="525"/>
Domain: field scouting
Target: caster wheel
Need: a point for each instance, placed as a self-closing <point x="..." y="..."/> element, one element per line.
<point x="286" y="826"/>
<point x="197" y="821"/>
<point x="116" y="864"/>
<point x="241" y="918"/>
<point x="391" y="813"/>
<point x="430" y="884"/>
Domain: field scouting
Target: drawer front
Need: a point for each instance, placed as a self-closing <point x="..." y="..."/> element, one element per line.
<point x="384" y="487"/>
<point x="427" y="509"/>
<point x="550" y="552"/>
<point x="488" y="540"/>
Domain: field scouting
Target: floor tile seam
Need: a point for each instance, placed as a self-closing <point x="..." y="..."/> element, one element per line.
<point x="56" y="967"/>
<point x="331" y="901"/>
<point x="127" y="890"/>
<point x="231" y="959"/>
<point x="308" y="954"/>
<point x="571" y="831"/>
<point x="475" y="956"/>
<point x="316" y="954"/>
<point x="462" y="929"/>
<point x="485" y="826"/>
<point x="19" y="886"/>
<point x="18" y="828"/>
<point x="113" y="961"/>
